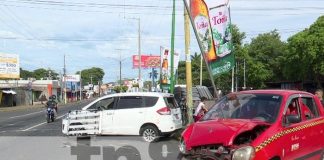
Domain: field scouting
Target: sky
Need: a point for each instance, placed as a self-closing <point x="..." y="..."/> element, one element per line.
<point x="99" y="33"/>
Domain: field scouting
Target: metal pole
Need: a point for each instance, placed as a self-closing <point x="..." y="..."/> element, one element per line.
<point x="200" y="47"/>
<point x="188" y="67"/>
<point x="201" y="59"/>
<point x="120" y="70"/>
<point x="80" y="85"/>
<point x="61" y="87"/>
<point x="172" y="49"/>
<point x="244" y="76"/>
<point x="236" y="77"/>
<point x="232" y="80"/>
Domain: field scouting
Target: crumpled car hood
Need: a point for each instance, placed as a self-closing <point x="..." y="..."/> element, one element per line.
<point x="220" y="131"/>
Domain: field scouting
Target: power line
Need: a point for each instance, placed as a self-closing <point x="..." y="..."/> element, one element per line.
<point x="92" y="5"/>
<point x="88" y="11"/>
<point x="23" y="26"/>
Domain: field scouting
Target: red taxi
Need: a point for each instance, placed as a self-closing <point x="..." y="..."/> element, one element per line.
<point x="258" y="124"/>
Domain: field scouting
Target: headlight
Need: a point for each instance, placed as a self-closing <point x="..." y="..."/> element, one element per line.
<point x="182" y="147"/>
<point x="244" y="153"/>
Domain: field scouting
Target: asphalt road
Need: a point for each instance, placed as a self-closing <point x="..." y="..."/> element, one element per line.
<point x="32" y="122"/>
<point x="28" y="132"/>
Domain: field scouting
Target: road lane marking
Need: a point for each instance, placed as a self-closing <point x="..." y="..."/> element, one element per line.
<point x="40" y="124"/>
<point x="26" y="114"/>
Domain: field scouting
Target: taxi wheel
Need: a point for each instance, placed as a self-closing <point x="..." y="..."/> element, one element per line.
<point x="322" y="156"/>
<point x="150" y="133"/>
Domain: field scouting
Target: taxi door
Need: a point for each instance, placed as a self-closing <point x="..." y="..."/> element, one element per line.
<point x="293" y="138"/>
<point x="311" y="129"/>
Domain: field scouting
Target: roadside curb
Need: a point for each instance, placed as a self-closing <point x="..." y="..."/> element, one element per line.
<point x="18" y="108"/>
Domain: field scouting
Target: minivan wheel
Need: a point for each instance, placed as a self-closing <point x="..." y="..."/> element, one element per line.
<point x="150" y="133"/>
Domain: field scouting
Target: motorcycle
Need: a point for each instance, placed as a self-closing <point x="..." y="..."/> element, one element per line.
<point x="50" y="114"/>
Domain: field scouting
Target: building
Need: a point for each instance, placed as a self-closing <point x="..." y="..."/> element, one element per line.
<point x="27" y="92"/>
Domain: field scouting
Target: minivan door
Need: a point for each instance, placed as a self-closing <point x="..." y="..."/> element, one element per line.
<point x="107" y="109"/>
<point x="129" y="115"/>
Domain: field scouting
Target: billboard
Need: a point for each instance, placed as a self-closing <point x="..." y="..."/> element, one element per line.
<point x="9" y="66"/>
<point x="147" y="61"/>
<point x="213" y="25"/>
<point x="72" y="78"/>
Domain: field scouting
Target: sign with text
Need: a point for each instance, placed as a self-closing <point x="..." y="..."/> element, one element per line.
<point x="213" y="24"/>
<point x="9" y="66"/>
<point x="166" y="64"/>
<point x="72" y="78"/>
<point x="147" y="61"/>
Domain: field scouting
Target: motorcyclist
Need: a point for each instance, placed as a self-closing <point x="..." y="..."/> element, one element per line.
<point x="51" y="103"/>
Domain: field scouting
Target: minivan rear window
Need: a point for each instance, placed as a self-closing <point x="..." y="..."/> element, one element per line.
<point x="170" y="102"/>
<point x="150" y="101"/>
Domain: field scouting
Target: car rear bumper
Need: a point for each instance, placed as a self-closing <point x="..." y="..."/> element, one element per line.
<point x="169" y="127"/>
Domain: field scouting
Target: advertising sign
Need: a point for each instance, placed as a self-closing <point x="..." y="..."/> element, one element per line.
<point x="9" y="66"/>
<point x="72" y="78"/>
<point x="166" y="64"/>
<point x="212" y="22"/>
<point x="147" y="61"/>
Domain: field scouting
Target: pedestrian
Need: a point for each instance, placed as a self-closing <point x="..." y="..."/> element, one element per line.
<point x="319" y="94"/>
<point x="201" y="109"/>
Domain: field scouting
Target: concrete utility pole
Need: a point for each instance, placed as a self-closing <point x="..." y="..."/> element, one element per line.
<point x="120" y="60"/>
<point x="139" y="54"/>
<point x="80" y="85"/>
<point x="64" y="78"/>
<point x="188" y="67"/>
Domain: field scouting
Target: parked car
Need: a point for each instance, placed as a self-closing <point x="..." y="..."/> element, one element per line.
<point x="259" y="124"/>
<point x="148" y="114"/>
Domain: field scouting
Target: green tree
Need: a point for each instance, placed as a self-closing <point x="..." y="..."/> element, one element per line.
<point x="265" y="59"/>
<point x="119" y="89"/>
<point x="42" y="73"/>
<point x="305" y="59"/>
<point x="94" y="73"/>
<point x="25" y="74"/>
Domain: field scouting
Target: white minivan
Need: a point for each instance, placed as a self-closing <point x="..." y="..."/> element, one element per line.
<point x="149" y="114"/>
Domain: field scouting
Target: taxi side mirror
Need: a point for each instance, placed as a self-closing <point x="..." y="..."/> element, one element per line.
<point x="292" y="119"/>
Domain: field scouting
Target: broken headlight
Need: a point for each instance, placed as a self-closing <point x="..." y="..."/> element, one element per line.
<point x="244" y="153"/>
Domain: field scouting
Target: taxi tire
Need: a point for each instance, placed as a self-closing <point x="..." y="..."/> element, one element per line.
<point x="322" y="156"/>
<point x="275" y="158"/>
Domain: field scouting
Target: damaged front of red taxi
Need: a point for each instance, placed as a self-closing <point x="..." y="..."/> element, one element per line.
<point x="260" y="126"/>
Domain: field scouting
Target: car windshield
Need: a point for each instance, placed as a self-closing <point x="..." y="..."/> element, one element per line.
<point x="263" y="107"/>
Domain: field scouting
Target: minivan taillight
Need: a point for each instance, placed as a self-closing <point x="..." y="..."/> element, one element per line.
<point x="164" y="111"/>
